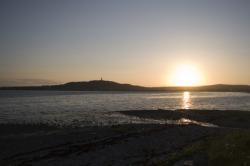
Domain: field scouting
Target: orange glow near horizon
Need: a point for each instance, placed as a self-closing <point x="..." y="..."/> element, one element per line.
<point x="186" y="75"/>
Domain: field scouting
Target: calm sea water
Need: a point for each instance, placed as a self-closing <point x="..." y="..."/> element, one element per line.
<point x="95" y="108"/>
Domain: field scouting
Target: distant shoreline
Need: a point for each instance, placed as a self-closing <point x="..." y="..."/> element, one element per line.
<point x="100" y="85"/>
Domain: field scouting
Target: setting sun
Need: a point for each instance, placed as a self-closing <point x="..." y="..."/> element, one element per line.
<point x="186" y="75"/>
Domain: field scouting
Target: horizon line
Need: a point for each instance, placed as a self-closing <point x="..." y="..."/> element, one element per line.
<point x="167" y="86"/>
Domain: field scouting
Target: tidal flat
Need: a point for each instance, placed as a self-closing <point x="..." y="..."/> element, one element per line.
<point x="226" y="142"/>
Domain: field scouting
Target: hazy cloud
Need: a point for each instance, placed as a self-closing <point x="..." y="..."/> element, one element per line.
<point x="26" y="82"/>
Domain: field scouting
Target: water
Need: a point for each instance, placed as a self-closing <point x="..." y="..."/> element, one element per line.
<point x="95" y="108"/>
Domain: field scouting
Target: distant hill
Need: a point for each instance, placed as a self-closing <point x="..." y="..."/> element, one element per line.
<point x="217" y="88"/>
<point x="101" y="85"/>
<point x="96" y="85"/>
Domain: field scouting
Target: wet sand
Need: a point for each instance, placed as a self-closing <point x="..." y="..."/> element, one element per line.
<point x="131" y="144"/>
<point x="227" y="118"/>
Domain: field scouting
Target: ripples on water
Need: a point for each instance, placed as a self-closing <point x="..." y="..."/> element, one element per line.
<point x="93" y="108"/>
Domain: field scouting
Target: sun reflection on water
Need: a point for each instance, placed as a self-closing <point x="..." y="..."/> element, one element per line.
<point x="186" y="103"/>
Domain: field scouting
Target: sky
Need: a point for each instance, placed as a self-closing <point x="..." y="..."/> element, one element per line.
<point x="139" y="42"/>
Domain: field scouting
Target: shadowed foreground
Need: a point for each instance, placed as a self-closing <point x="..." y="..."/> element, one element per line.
<point x="132" y="144"/>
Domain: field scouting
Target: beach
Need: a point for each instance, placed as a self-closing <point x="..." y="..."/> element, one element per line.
<point x="126" y="144"/>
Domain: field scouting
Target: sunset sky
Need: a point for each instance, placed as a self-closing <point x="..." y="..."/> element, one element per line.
<point x="143" y="42"/>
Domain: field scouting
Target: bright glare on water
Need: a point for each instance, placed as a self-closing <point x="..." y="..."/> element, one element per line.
<point x="94" y="108"/>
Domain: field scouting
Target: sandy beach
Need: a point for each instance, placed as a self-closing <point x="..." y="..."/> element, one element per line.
<point x="131" y="144"/>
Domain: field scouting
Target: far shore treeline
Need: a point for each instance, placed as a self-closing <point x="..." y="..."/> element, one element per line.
<point x="101" y="85"/>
